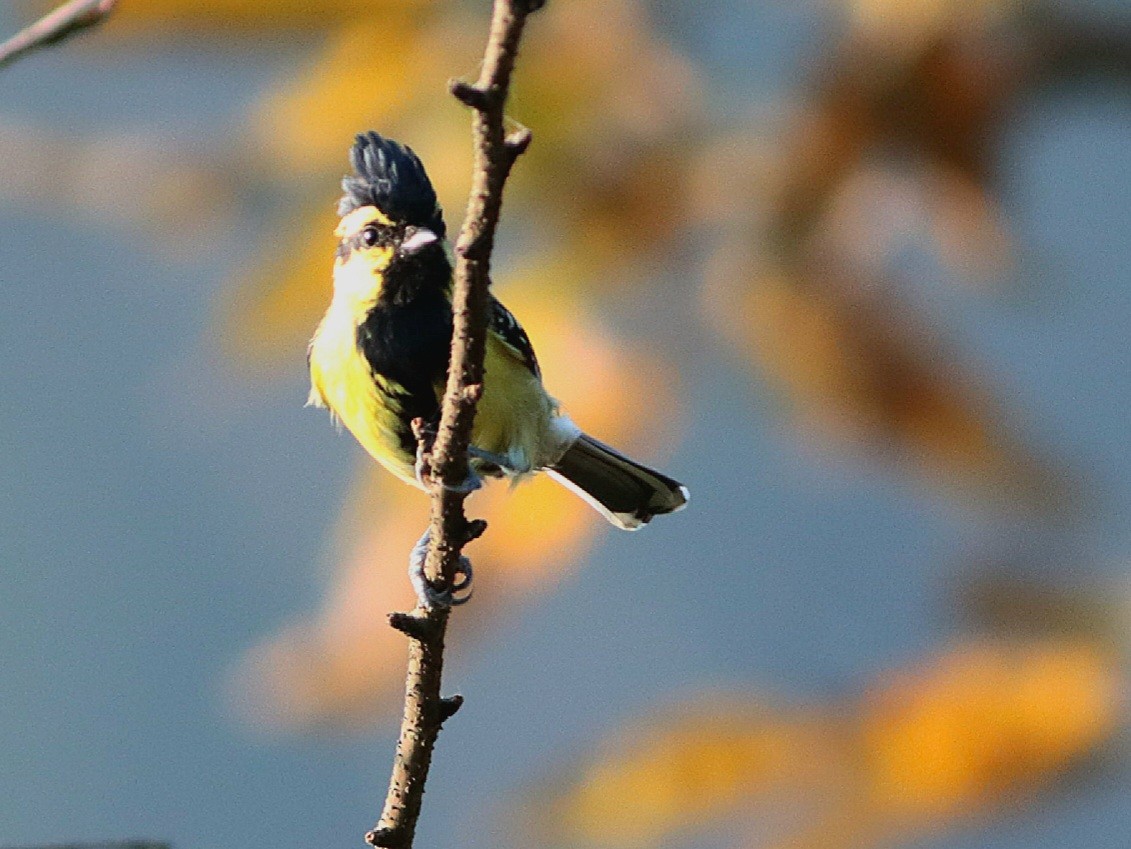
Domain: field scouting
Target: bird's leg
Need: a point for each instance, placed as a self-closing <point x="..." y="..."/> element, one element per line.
<point x="428" y="596"/>
<point x="488" y="457"/>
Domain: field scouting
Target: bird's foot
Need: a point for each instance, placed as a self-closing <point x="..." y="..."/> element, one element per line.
<point x="497" y="462"/>
<point x="427" y="595"/>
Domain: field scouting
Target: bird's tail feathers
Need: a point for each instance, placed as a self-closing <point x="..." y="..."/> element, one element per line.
<point x="625" y="492"/>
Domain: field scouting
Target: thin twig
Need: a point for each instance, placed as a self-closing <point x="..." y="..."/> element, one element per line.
<point x="98" y="844"/>
<point x="495" y="152"/>
<point x="56" y="26"/>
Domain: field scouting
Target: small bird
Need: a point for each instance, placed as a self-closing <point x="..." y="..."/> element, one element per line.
<point x="379" y="360"/>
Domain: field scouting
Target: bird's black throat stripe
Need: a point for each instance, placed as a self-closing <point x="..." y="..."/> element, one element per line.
<point x="406" y="337"/>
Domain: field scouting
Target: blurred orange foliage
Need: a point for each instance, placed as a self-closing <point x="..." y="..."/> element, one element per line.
<point x="986" y="720"/>
<point x="857" y="368"/>
<point x="678" y="771"/>
<point x="969" y="730"/>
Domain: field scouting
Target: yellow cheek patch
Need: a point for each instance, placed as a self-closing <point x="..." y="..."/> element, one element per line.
<point x="359" y="279"/>
<point x="361" y="218"/>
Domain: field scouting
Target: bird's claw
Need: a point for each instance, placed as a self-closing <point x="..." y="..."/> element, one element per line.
<point x="421" y="467"/>
<point x="462" y="579"/>
<point x="427" y="595"/>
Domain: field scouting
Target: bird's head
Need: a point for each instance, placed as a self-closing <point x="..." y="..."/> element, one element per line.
<point x="392" y="228"/>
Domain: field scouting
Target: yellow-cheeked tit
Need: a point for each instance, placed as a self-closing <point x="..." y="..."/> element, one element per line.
<point x="379" y="358"/>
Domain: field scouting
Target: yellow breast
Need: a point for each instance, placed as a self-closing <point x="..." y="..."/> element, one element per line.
<point x="516" y="419"/>
<point x="341" y="379"/>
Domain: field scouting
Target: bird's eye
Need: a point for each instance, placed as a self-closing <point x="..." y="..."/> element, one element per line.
<point x="370" y="236"/>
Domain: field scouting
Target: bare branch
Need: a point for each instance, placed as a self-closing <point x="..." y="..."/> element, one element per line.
<point x="56" y="26"/>
<point x="100" y="844"/>
<point x="446" y="459"/>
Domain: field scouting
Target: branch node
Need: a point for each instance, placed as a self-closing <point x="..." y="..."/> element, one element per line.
<point x="450" y="706"/>
<point x="413" y="626"/>
<point x="386" y="838"/>
<point x="475" y="529"/>
<point x="517" y="141"/>
<point x="481" y="100"/>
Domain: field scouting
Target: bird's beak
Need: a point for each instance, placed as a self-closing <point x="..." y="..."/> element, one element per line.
<point x="417" y="239"/>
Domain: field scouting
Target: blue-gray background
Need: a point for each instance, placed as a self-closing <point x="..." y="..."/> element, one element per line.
<point x="159" y="513"/>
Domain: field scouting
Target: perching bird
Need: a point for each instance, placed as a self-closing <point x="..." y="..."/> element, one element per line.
<point x="379" y="358"/>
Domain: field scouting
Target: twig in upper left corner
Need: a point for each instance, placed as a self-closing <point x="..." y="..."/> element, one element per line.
<point x="55" y="26"/>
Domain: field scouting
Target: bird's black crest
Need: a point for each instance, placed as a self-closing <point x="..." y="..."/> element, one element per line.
<point x="390" y="177"/>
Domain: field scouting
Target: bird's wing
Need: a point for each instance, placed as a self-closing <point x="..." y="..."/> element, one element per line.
<point x="507" y="329"/>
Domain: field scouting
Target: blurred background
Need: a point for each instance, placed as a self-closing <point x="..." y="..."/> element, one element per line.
<point x="855" y="270"/>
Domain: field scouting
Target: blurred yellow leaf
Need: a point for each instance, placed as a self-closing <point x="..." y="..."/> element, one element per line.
<point x="678" y="771"/>
<point x="894" y="146"/>
<point x="610" y="163"/>
<point x="366" y="75"/>
<point x="986" y="719"/>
